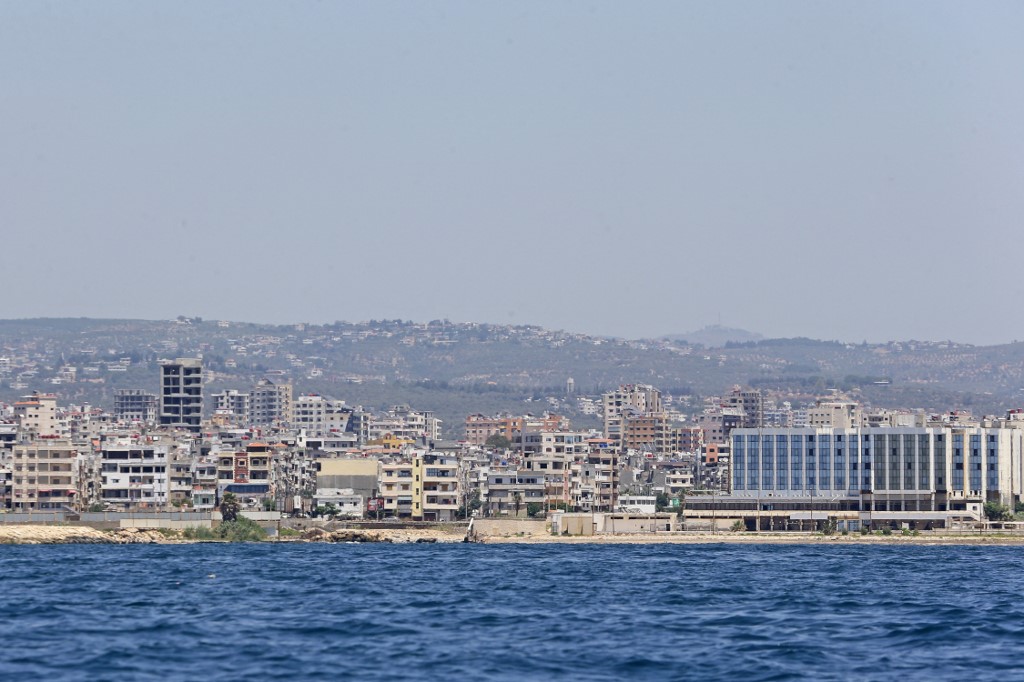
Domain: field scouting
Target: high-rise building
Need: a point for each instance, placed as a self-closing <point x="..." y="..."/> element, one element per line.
<point x="270" y="404"/>
<point x="181" y="393"/>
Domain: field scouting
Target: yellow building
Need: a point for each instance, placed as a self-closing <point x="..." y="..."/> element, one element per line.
<point x="423" y="489"/>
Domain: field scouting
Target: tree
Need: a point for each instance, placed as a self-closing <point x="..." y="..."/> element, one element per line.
<point x="661" y="502"/>
<point x="534" y="509"/>
<point x="517" y="500"/>
<point x="498" y="442"/>
<point x="229" y="507"/>
<point x="995" y="511"/>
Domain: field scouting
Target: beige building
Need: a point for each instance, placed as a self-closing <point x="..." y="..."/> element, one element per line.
<point x="44" y="475"/>
<point x="834" y="413"/>
<point x="639" y="399"/>
<point x="425" y="488"/>
<point x="36" y="415"/>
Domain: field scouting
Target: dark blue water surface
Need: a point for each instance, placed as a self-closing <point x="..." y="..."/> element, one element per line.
<point x="437" y="612"/>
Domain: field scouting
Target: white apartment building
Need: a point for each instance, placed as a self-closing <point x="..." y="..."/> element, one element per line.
<point x="134" y="474"/>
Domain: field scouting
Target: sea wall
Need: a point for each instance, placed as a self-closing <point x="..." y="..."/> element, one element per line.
<point x="508" y="527"/>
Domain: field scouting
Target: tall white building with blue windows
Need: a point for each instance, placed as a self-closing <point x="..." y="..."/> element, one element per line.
<point x="902" y="470"/>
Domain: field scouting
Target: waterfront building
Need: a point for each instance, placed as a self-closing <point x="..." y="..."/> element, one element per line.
<point x="510" y="492"/>
<point x="134" y="474"/>
<point x="358" y="474"/>
<point x="181" y="393"/>
<point x="44" y="475"/>
<point x="889" y="472"/>
<point x="246" y="473"/>
<point x="423" y="488"/>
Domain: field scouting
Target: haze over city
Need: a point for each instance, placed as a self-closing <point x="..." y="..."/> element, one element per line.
<point x="837" y="171"/>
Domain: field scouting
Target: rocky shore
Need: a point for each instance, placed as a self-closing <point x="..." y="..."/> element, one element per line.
<point x="84" y="535"/>
<point x="80" y="535"/>
<point x="53" y="535"/>
<point x="391" y="535"/>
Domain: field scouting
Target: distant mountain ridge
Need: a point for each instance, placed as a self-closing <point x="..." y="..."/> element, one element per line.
<point x="715" y="336"/>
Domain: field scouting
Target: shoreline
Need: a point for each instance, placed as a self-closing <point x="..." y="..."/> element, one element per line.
<point x="42" y="534"/>
<point x="989" y="539"/>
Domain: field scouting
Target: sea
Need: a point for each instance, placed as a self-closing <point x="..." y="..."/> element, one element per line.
<point x="511" y="612"/>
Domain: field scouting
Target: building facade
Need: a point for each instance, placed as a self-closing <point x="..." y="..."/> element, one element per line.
<point x="181" y="393"/>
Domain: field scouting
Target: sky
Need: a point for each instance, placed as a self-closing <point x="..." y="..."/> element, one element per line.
<point x="834" y="170"/>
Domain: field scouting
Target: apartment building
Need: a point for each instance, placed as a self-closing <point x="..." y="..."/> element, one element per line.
<point x="424" y="487"/>
<point x="135" y="404"/>
<point x="36" y="415"/>
<point x="270" y="403"/>
<point x="181" y="393"/>
<point x="479" y="427"/>
<point x="44" y="475"/>
<point x="134" y="474"/>
<point x="509" y="493"/>
<point x="404" y="423"/>
<point x="234" y="403"/>
<point x="638" y="399"/>
<point x="246" y="473"/>
<point x="594" y="479"/>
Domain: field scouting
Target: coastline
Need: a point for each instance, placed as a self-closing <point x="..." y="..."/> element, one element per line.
<point x="989" y="539"/>
<point x="52" y="535"/>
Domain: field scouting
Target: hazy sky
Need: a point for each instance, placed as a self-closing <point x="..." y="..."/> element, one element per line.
<point x="835" y="170"/>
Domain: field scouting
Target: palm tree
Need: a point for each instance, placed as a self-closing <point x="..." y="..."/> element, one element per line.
<point x="229" y="507"/>
<point x="517" y="499"/>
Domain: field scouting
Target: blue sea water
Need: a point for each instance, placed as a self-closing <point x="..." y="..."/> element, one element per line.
<point x="439" y="612"/>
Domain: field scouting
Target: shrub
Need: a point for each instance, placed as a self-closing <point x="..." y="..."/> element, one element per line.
<point x="198" y="533"/>
<point x="887" y="531"/>
<point x="240" y="530"/>
<point x="738" y="526"/>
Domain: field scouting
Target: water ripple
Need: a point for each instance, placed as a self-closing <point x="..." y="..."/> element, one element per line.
<point x="583" y="612"/>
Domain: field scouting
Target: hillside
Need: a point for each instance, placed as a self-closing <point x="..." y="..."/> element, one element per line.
<point x="458" y="368"/>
